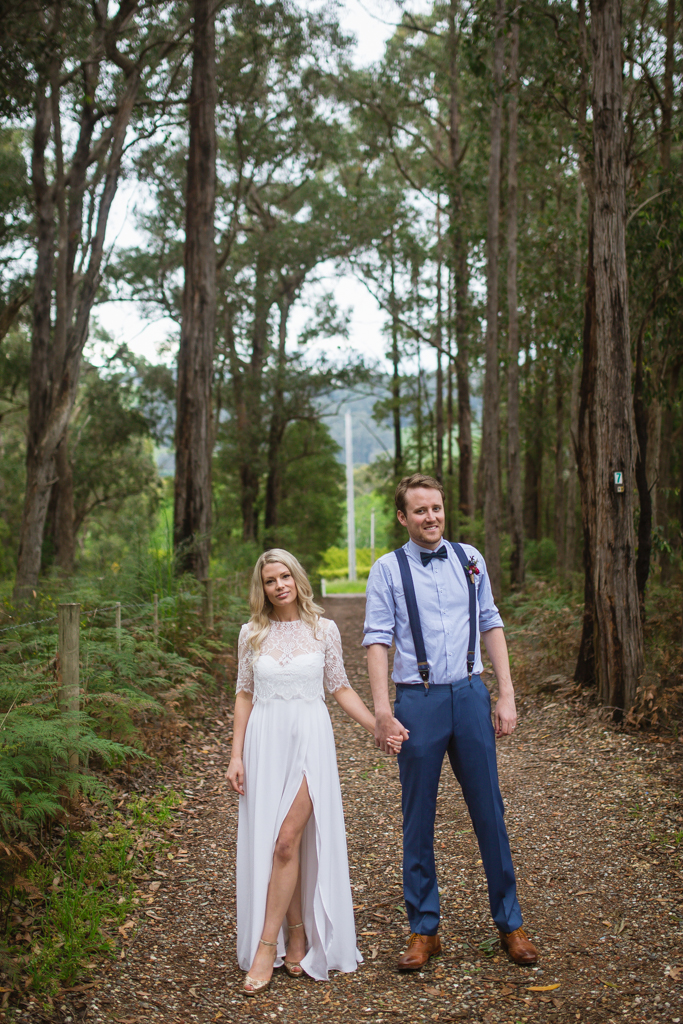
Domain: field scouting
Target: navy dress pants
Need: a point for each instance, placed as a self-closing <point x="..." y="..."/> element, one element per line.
<point x="453" y="719"/>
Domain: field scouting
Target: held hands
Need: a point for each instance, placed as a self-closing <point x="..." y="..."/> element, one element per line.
<point x="389" y="734"/>
<point x="235" y="775"/>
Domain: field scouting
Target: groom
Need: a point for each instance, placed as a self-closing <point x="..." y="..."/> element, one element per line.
<point x="434" y="600"/>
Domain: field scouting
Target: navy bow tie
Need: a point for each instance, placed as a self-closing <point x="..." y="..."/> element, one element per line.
<point x="427" y="556"/>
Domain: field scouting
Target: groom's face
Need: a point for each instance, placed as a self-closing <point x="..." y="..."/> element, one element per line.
<point x="424" y="516"/>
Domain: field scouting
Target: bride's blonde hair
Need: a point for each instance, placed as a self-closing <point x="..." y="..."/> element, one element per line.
<point x="261" y="608"/>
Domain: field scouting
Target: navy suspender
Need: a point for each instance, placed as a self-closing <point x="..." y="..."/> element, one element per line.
<point x="414" y="615"/>
<point x="472" y="592"/>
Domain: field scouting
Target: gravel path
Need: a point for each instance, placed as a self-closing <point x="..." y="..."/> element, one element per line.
<point x="595" y="819"/>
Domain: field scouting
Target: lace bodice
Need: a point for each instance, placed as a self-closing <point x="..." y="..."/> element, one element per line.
<point x="293" y="663"/>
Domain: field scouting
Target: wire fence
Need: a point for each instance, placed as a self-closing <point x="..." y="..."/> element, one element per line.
<point x="167" y="608"/>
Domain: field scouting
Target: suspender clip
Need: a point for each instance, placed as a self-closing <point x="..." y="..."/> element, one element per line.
<point x="423" y="669"/>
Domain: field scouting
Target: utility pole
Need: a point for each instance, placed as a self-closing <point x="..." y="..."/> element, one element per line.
<point x="350" y="511"/>
<point x="372" y="536"/>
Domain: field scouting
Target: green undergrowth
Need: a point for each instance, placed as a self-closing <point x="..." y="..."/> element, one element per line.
<point x="83" y="900"/>
<point x="70" y="896"/>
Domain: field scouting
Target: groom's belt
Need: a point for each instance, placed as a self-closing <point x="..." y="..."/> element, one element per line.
<point x="465" y="681"/>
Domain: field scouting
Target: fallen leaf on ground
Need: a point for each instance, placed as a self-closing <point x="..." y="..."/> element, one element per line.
<point x="543" y="988"/>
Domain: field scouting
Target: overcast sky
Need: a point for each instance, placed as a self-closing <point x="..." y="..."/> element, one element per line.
<point x="371" y="21"/>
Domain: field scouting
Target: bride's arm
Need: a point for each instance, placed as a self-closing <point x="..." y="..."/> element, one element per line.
<point x="235" y="772"/>
<point x="243" y="706"/>
<point x="351" y="703"/>
<point x="338" y="685"/>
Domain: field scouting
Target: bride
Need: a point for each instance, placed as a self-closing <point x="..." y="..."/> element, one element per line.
<point x="294" y="902"/>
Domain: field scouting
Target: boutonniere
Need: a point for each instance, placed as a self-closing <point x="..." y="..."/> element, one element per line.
<point x="471" y="569"/>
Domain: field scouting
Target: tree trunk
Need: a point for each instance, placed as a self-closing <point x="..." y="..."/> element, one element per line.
<point x="645" y="517"/>
<point x="490" y="416"/>
<point x="461" y="274"/>
<point x="192" y="505"/>
<point x="438" y="404"/>
<point x="585" y="672"/>
<point x="610" y="441"/>
<point x="570" y="490"/>
<point x="56" y="356"/>
<point x="450" y="495"/>
<point x="65" y="517"/>
<point x="559" y="463"/>
<point x="278" y="420"/>
<point x="395" y="377"/>
<point x="514" y="445"/>
<point x="668" y="92"/>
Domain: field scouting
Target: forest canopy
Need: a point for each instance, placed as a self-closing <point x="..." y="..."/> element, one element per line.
<point x="504" y="179"/>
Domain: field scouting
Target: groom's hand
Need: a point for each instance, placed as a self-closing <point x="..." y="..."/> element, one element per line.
<point x="386" y="726"/>
<point x="505" y="716"/>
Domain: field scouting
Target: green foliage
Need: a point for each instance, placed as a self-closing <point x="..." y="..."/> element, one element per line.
<point x="311" y="504"/>
<point x="89" y="890"/>
<point x="541" y="557"/>
<point x="335" y="563"/>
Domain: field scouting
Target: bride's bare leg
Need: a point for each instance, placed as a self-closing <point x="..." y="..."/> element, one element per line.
<point x="283" y="880"/>
<point x="296" y="946"/>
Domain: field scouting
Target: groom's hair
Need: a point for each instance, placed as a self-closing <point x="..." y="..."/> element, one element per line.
<point x="416" y="480"/>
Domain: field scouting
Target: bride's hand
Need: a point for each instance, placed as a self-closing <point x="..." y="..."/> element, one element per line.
<point x="394" y="743"/>
<point x="235" y="775"/>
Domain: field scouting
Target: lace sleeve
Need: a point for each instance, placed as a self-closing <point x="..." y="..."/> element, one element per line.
<point x="245" y="663"/>
<point x="335" y="673"/>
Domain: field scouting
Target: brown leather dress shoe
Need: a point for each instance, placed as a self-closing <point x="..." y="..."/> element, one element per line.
<point x="519" y="946"/>
<point x="420" y="948"/>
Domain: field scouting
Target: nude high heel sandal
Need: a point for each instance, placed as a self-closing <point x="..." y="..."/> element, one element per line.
<point x="293" y="967"/>
<point x="258" y="986"/>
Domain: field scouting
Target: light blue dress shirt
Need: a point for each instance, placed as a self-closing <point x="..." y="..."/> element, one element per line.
<point x="443" y="604"/>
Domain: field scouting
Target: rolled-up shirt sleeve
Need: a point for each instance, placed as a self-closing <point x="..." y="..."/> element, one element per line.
<point x="489" y="616"/>
<point x="379" y="608"/>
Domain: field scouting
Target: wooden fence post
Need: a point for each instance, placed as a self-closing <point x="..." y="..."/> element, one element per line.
<point x="69" y="619"/>
<point x="118" y="624"/>
<point x="207" y="604"/>
<point x="156" y="615"/>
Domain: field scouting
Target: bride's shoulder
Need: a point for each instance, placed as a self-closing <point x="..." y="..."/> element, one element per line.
<point x="245" y="631"/>
<point x="328" y="626"/>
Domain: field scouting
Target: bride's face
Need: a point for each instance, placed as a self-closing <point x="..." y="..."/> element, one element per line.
<point x="278" y="584"/>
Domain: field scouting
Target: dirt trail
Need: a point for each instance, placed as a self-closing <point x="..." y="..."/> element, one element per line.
<point x="595" y="819"/>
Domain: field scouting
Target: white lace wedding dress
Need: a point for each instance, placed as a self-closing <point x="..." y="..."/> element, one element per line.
<point x="289" y="736"/>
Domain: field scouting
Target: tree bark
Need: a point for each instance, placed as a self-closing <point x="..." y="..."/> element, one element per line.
<point x="570" y="491"/>
<point x="438" y="404"/>
<point x="450" y="496"/>
<point x="461" y="273"/>
<point x="514" y="444"/>
<point x="585" y="672"/>
<point x="279" y="417"/>
<point x="56" y="354"/>
<point x="559" y="462"/>
<point x="668" y="92"/>
<point x="608" y="436"/>
<point x="395" y="375"/>
<point x="640" y="414"/>
<point x="490" y="424"/>
<point x="192" y="504"/>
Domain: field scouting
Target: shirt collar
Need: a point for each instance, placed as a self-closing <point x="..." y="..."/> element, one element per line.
<point x="415" y="549"/>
